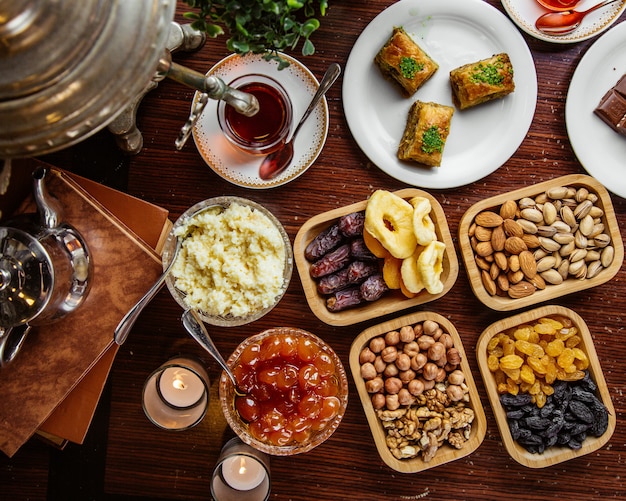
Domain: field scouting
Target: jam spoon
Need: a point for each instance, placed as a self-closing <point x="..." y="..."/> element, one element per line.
<point x="194" y="325"/>
<point x="565" y="22"/>
<point x="276" y="162"/>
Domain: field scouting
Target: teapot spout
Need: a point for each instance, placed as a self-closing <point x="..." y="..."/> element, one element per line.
<point x="49" y="208"/>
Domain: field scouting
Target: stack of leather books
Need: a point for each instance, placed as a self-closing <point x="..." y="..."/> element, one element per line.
<point x="52" y="387"/>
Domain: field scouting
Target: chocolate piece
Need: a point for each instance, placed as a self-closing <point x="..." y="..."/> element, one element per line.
<point x="612" y="110"/>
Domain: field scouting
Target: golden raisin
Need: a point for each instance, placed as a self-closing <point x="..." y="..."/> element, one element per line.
<point x="555" y="348"/>
<point x="566" y="358"/>
<point x="512" y="362"/>
<point x="530" y="349"/>
<point x="493" y="363"/>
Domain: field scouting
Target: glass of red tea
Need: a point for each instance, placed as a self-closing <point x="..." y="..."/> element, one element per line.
<point x="266" y="131"/>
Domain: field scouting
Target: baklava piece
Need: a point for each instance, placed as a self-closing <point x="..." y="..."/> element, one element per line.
<point x="402" y="61"/>
<point x="482" y="81"/>
<point x="425" y="134"/>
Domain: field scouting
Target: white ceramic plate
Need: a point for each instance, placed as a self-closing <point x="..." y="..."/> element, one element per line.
<point x="600" y="150"/>
<point x="524" y="13"/>
<point x="453" y="33"/>
<point x="243" y="169"/>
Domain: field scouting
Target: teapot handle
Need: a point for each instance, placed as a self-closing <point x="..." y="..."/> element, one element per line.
<point x="49" y="208"/>
<point x="11" y="341"/>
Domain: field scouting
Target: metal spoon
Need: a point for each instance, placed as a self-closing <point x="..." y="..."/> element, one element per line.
<point x="194" y="325"/>
<point x="276" y="162"/>
<point x="123" y="328"/>
<point x="565" y="22"/>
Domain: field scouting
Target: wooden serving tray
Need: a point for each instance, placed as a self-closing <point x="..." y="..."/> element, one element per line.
<point x="505" y="303"/>
<point x="555" y="454"/>
<point x="392" y="301"/>
<point x="446" y="453"/>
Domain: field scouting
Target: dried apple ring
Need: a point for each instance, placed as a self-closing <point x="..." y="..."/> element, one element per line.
<point x="411" y="276"/>
<point x="430" y="266"/>
<point x="389" y="219"/>
<point x="423" y="225"/>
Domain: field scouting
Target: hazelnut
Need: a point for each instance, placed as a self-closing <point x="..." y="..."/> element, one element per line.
<point x="455" y="392"/>
<point x="430" y="327"/>
<point x="418" y="361"/>
<point x="378" y="401"/>
<point x="418" y="329"/>
<point x="428" y="384"/>
<point x="375" y="385"/>
<point x="456" y="377"/>
<point x="407" y="334"/>
<point x="366" y="355"/>
<point x="441" y="375"/>
<point x="392" y="403"/>
<point x="380" y="365"/>
<point x="391" y="370"/>
<point x="453" y="356"/>
<point x="389" y="354"/>
<point x="368" y="371"/>
<point x="430" y="371"/>
<point x="393" y="385"/>
<point x="424" y="342"/>
<point x="392" y="338"/>
<point x="436" y="351"/>
<point x="411" y="349"/>
<point x="416" y="387"/>
<point x="404" y="397"/>
<point x="407" y="376"/>
<point x="403" y="362"/>
<point x="446" y="340"/>
<point x="377" y="344"/>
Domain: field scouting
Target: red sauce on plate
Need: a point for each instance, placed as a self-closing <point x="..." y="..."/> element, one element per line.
<point x="291" y="389"/>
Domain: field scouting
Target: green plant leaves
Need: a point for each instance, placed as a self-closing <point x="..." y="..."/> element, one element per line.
<point x="260" y="26"/>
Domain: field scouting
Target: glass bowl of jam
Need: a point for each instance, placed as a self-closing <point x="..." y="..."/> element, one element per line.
<point x="292" y="391"/>
<point x="268" y="129"/>
<point x="558" y="5"/>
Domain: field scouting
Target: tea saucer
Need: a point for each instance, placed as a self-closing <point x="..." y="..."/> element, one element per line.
<point x="524" y="13"/>
<point x="241" y="168"/>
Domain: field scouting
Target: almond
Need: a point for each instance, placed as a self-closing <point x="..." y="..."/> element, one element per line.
<point x="498" y="238"/>
<point x="538" y="282"/>
<point x="501" y="260"/>
<point x="488" y="219"/>
<point x="482" y="233"/>
<point x="512" y="228"/>
<point x="489" y="284"/>
<point x="531" y="241"/>
<point x="521" y="289"/>
<point x="528" y="265"/>
<point x="484" y="249"/>
<point x="508" y="210"/>
<point x="515" y="245"/>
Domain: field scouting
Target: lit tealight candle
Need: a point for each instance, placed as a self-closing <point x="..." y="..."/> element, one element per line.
<point x="181" y="387"/>
<point x="243" y="473"/>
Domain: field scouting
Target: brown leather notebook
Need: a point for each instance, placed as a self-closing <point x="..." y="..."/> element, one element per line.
<point x="56" y="358"/>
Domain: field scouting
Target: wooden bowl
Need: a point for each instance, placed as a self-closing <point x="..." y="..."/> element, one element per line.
<point x="554" y="454"/>
<point x="392" y="301"/>
<point x="568" y="286"/>
<point x="446" y="453"/>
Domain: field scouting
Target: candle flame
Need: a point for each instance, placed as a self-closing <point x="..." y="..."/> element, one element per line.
<point x="179" y="384"/>
<point x="242" y="466"/>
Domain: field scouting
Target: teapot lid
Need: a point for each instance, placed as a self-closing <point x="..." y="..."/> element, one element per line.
<point x="25" y="277"/>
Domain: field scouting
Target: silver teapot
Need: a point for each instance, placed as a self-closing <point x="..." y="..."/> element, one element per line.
<point x="45" y="270"/>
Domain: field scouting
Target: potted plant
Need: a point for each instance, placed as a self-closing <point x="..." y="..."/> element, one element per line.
<point x="260" y="26"/>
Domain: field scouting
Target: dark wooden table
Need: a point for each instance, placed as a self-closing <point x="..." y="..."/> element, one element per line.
<point x="126" y="457"/>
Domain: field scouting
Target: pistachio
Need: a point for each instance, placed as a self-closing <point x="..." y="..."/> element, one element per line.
<point x="567" y="249"/>
<point x="552" y="276"/>
<point x="586" y="225"/>
<point x="532" y="214"/>
<point x="597" y="229"/>
<point x="557" y="193"/>
<point x="577" y="255"/>
<point x="546" y="263"/>
<point x="582" y="209"/>
<point x="563" y="238"/>
<point x="546" y="231"/>
<point x="581" y="240"/>
<point x="528" y="226"/>
<point x="581" y="194"/>
<point x="601" y="240"/>
<point x="607" y="255"/>
<point x="549" y="213"/>
<point x="593" y="268"/>
<point x="548" y="244"/>
<point x="526" y="203"/>
<point x="567" y="215"/>
<point x="562" y="227"/>
<point x="596" y="212"/>
<point x="592" y="255"/>
<point x="578" y="269"/>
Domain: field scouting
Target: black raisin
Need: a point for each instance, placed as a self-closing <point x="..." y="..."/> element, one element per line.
<point x="581" y="411"/>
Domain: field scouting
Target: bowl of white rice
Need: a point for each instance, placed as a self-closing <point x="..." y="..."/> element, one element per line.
<point x="235" y="263"/>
